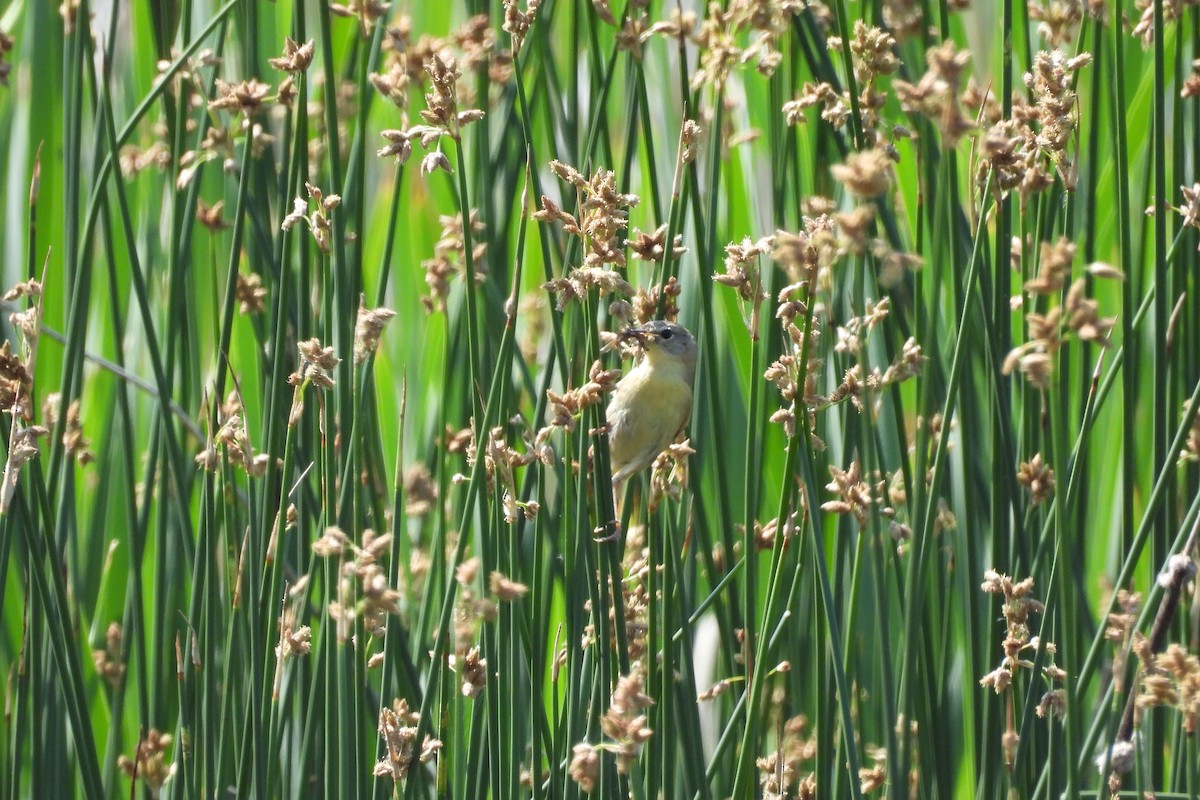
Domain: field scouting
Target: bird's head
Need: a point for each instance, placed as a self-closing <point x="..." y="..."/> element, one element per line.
<point x="664" y="341"/>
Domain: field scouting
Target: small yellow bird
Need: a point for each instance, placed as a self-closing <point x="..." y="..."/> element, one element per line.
<point x="653" y="401"/>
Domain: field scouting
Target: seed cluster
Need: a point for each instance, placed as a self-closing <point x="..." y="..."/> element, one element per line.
<point x="1019" y="606"/>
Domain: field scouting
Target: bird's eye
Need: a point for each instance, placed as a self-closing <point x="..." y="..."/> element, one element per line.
<point x="667" y="334"/>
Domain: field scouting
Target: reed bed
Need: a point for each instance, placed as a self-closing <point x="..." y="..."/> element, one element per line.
<point x="313" y="325"/>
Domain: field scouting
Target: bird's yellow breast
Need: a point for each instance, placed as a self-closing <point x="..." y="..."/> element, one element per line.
<point x="650" y="406"/>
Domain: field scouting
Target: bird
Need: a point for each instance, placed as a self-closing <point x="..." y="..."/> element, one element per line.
<point x="653" y="401"/>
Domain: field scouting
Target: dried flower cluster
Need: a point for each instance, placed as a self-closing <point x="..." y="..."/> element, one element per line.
<point x="1019" y="606"/>
<point x="854" y="494"/>
<point x="16" y="387"/>
<point x="1190" y="210"/>
<point x="669" y="473"/>
<point x="1036" y="476"/>
<point x="584" y="768"/>
<point x="1191" y="84"/>
<point x="505" y="589"/>
<point x="471" y="609"/>
<point x="471" y="667"/>
<point x="500" y="462"/>
<point x="1054" y="101"/>
<point x="245" y="97"/>
<point x="406" y="57"/>
<point x="251" y="294"/>
<point x="449" y="258"/>
<point x="652" y="247"/>
<point x="635" y="592"/>
<point x="767" y="534"/>
<point x="363" y="589"/>
<point x="603" y="216"/>
<point x="1144" y="28"/>
<point x="1077" y="316"/>
<point x="149" y="763"/>
<point x="76" y="443"/>
<point x="442" y="98"/>
<point x="247" y="100"/>
<point x="109" y="662"/>
<point x="795" y="372"/>
<point x="624" y="724"/>
<point x="398" y="727"/>
<point x="690" y="138"/>
<point x="233" y="438"/>
<point x="759" y="24"/>
<point x="579" y="281"/>
<point x="442" y="114"/>
<point x="852" y="339"/>
<point x="936" y="94"/>
<point x="1170" y="678"/>
<point x="295" y="639"/>
<point x="420" y="491"/>
<point x="367" y="12"/>
<point x="1025" y="153"/>
<point x="517" y="22"/>
<point x="478" y="42"/>
<point x="134" y="160"/>
<point x="403" y="70"/>
<point x="634" y="26"/>
<point x="296" y="58"/>
<point x="806" y="258"/>
<point x="873" y="777"/>
<point x="866" y="174"/>
<point x="15" y="373"/>
<point x="22" y="448"/>
<point x="317" y="364"/>
<point x="319" y="222"/>
<point x="780" y="772"/>
<point x="565" y="409"/>
<point x="835" y="108"/>
<point x="652" y="302"/>
<point x="1119" y="631"/>
<point x="897" y="497"/>
<point x="399" y="145"/>
<point x="871" y="49"/>
<point x="218" y="145"/>
<point x="368" y="328"/>
<point x="1059" y="20"/>
<point x="293" y="642"/>
<point x="743" y="273"/>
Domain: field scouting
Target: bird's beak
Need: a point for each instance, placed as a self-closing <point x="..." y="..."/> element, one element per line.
<point x="635" y="333"/>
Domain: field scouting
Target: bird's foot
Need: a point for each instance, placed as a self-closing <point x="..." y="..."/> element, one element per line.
<point x="614" y="534"/>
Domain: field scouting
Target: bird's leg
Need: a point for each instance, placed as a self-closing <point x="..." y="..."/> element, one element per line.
<point x="619" y="522"/>
<point x="613" y="524"/>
